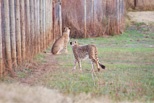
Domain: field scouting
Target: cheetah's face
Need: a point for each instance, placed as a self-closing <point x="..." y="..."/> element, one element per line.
<point x="73" y="43"/>
<point x="67" y="29"/>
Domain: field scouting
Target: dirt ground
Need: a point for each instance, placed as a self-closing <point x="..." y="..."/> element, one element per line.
<point x="146" y="17"/>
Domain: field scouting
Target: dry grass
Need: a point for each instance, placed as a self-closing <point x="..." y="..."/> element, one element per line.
<point x="17" y="93"/>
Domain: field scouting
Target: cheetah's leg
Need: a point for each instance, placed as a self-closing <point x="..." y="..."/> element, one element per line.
<point x="65" y="47"/>
<point x="60" y="50"/>
<point x="92" y="63"/>
<point x="74" y="65"/>
<point x="97" y="64"/>
<point x="80" y="67"/>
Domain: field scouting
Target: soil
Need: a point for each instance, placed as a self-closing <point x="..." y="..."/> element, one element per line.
<point x="146" y="17"/>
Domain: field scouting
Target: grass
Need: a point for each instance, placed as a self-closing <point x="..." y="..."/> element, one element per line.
<point x="130" y="74"/>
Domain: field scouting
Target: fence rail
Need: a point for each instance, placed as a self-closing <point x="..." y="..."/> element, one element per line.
<point x="26" y="28"/>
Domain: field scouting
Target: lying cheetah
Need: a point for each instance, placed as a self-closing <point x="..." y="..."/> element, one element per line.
<point x="61" y="42"/>
<point x="82" y="52"/>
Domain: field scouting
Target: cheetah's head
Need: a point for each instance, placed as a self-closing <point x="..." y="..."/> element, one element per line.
<point x="73" y="43"/>
<point x="67" y="29"/>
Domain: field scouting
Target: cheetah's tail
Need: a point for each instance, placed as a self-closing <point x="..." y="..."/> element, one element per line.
<point x="103" y="67"/>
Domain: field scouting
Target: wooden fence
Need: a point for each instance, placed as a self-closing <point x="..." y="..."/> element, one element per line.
<point x="94" y="17"/>
<point x="140" y="4"/>
<point x="27" y="27"/>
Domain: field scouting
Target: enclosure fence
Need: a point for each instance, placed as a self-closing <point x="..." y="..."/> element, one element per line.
<point x="27" y="27"/>
<point x="91" y="18"/>
<point x="140" y="4"/>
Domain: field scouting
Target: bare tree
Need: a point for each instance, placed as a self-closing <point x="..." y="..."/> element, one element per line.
<point x="18" y="32"/>
<point x="7" y="35"/>
<point x="22" y="4"/>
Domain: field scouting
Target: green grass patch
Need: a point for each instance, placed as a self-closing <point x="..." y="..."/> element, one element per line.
<point x="129" y="59"/>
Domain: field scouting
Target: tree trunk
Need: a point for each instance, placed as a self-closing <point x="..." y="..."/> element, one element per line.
<point x="13" y="35"/>
<point x="18" y="32"/>
<point x="22" y="15"/>
<point x="7" y="36"/>
<point x="1" y="54"/>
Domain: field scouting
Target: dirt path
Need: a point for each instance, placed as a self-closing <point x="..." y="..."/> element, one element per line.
<point x="40" y="70"/>
<point x="146" y="17"/>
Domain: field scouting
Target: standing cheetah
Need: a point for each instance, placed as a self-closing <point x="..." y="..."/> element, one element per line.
<point x="82" y="52"/>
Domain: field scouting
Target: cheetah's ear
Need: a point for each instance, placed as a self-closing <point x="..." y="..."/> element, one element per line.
<point x="70" y="43"/>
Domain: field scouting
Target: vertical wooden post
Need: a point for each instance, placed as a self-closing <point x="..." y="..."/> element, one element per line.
<point x="117" y="4"/>
<point x="85" y="18"/>
<point x="44" y="25"/>
<point x="93" y="16"/>
<point x="32" y="26"/>
<point x="53" y="20"/>
<point x="12" y="31"/>
<point x="7" y="35"/>
<point x="135" y="3"/>
<point x="18" y="32"/>
<point x="60" y="17"/>
<point x="40" y="20"/>
<point x="28" y="29"/>
<point x="1" y="54"/>
<point x="38" y="25"/>
<point x="35" y="26"/>
<point x="22" y="15"/>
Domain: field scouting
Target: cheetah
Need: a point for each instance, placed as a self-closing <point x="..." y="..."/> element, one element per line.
<point x="83" y="52"/>
<point x="61" y="43"/>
